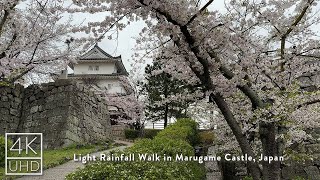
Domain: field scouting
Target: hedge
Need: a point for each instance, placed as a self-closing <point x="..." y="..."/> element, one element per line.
<point x="139" y="170"/>
<point x="173" y="140"/>
<point x="151" y="133"/>
<point x="184" y="129"/>
<point x="131" y="133"/>
<point x="166" y="146"/>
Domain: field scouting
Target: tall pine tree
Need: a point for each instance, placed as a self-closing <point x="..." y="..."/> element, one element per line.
<point x="159" y="90"/>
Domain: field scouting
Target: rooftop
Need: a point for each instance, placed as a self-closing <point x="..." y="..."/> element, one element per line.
<point x="98" y="55"/>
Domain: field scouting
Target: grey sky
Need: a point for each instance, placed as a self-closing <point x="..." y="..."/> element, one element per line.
<point x="126" y="41"/>
<point x="125" y="44"/>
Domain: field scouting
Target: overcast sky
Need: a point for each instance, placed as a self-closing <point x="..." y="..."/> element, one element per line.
<point x="126" y="42"/>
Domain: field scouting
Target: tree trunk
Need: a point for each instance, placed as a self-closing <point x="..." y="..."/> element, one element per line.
<point x="166" y="111"/>
<point x="253" y="167"/>
<point x="268" y="131"/>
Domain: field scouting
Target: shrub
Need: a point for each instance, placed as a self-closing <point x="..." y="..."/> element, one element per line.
<point x="174" y="132"/>
<point x="170" y="141"/>
<point x="206" y="137"/>
<point x="3" y="150"/>
<point x="131" y="133"/>
<point x="187" y="122"/>
<point x="247" y="178"/>
<point x="170" y="147"/>
<point x="151" y="133"/>
<point x="140" y="170"/>
<point x="184" y="129"/>
<point x="298" y="178"/>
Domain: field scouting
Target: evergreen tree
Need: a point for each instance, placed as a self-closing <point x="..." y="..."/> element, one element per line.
<point x="159" y="90"/>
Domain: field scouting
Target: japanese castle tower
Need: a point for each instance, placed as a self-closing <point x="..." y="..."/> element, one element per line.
<point x="99" y="69"/>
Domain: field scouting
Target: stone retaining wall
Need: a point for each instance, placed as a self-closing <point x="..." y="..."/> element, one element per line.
<point x="118" y="131"/>
<point x="65" y="112"/>
<point x="10" y="108"/>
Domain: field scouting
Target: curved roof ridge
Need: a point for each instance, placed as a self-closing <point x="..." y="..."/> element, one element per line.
<point x="103" y="55"/>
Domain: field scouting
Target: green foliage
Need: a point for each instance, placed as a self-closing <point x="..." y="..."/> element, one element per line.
<point x="139" y="170"/>
<point x="3" y="83"/>
<point x="299" y="178"/>
<point x="175" y="132"/>
<point x="146" y="170"/>
<point x="297" y="156"/>
<point x="247" y="178"/>
<point x="187" y="122"/>
<point x="162" y="146"/>
<point x="3" y="150"/>
<point x="183" y="129"/>
<point x="131" y="133"/>
<point x="157" y="88"/>
<point x="54" y="157"/>
<point x="206" y="137"/>
<point x="151" y="133"/>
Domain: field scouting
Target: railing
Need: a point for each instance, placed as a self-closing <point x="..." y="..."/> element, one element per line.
<point x="155" y="125"/>
<point x="160" y="125"/>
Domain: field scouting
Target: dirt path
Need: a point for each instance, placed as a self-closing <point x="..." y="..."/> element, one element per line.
<point x="61" y="171"/>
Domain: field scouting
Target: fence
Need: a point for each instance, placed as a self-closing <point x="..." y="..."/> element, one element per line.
<point x="155" y="125"/>
<point x="160" y="125"/>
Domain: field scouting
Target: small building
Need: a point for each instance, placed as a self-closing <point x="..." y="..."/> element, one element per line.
<point x="98" y="69"/>
<point x="103" y="74"/>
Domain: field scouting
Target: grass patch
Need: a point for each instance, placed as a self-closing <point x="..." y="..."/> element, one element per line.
<point x="2" y="172"/>
<point x="55" y="157"/>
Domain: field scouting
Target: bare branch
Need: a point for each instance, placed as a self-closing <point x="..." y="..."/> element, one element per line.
<point x="24" y="72"/>
<point x="310" y="56"/>
<point x="112" y="25"/>
<point x="155" y="48"/>
<point x="290" y="29"/>
<point x="308" y="103"/>
<point x="308" y="50"/>
<point x="270" y="22"/>
<point x="298" y="19"/>
<point x="272" y="80"/>
<point x="199" y="12"/>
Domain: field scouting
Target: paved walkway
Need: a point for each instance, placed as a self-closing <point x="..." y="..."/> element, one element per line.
<point x="61" y="171"/>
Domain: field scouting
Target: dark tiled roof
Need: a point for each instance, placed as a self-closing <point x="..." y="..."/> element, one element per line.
<point x="107" y="56"/>
<point x="118" y="61"/>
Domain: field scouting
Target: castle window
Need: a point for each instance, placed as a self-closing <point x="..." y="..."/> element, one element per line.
<point x="97" y="68"/>
<point x="90" y="68"/>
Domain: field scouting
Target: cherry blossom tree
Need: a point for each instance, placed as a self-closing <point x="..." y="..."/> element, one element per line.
<point x="128" y="106"/>
<point x="124" y="108"/>
<point x="248" y="61"/>
<point x="128" y="109"/>
<point x="34" y="39"/>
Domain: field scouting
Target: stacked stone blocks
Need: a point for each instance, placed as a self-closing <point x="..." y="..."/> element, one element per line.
<point x="65" y="112"/>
